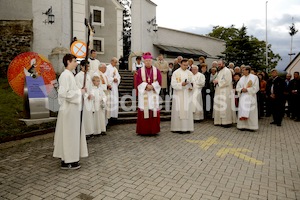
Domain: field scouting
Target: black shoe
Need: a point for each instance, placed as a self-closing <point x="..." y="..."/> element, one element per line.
<point x="103" y="133"/>
<point x="297" y="120"/>
<point x="89" y="137"/>
<point x="74" y="165"/>
<point x="97" y="135"/>
<point x="186" y="132"/>
<point x="180" y="132"/>
<point x="226" y="125"/>
<point x="278" y="124"/>
<point x="273" y="123"/>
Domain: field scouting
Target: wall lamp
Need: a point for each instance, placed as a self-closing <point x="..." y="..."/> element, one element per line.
<point x="51" y="17"/>
<point x="152" y="25"/>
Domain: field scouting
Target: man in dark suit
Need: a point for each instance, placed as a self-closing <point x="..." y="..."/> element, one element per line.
<point x="275" y="93"/>
<point x="287" y="95"/>
<point x="204" y="89"/>
<point x="294" y="90"/>
<point x="177" y="65"/>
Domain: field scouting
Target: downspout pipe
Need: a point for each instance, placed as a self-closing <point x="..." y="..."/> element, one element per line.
<point x="72" y="21"/>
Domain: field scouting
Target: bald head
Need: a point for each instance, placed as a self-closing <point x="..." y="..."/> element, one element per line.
<point x="114" y="61"/>
<point x="102" y="67"/>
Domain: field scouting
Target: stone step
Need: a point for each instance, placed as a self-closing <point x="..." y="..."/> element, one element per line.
<point x="125" y="72"/>
<point x="135" y="102"/>
<point x="133" y="119"/>
<point x="127" y="78"/>
<point x="125" y="87"/>
<point x="125" y="92"/>
<point x="125" y="114"/>
<point x="135" y="108"/>
<point x="126" y="81"/>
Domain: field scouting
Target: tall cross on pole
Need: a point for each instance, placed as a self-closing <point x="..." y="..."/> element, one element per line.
<point x="292" y="32"/>
<point x="88" y="25"/>
<point x="267" y="34"/>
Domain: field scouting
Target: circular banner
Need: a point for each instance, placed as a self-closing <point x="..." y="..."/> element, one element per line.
<point x="78" y="49"/>
<point x="29" y="64"/>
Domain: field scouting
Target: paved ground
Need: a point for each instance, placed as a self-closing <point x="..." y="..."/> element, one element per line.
<point x="211" y="163"/>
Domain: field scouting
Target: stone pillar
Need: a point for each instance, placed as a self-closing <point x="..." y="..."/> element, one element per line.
<point x="56" y="58"/>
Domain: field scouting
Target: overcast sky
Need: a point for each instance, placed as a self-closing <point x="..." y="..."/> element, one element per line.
<point x="200" y="16"/>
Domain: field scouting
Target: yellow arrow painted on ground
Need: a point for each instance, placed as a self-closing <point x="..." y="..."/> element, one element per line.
<point x="205" y="144"/>
<point x="237" y="153"/>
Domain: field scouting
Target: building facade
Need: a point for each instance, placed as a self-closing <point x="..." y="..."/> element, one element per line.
<point x="294" y="65"/>
<point x="171" y="43"/>
<point x="24" y="27"/>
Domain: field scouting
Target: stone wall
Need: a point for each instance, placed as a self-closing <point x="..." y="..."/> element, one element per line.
<point x="16" y="38"/>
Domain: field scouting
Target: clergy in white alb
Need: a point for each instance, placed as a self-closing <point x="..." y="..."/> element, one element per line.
<point x="223" y="102"/>
<point x="182" y="110"/>
<point x="69" y="143"/>
<point x="98" y="107"/>
<point x="94" y="63"/>
<point x="198" y="80"/>
<point x="87" y="113"/>
<point x="114" y="80"/>
<point x="105" y="87"/>
<point x="247" y="87"/>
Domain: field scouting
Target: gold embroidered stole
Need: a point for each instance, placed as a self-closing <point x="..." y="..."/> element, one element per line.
<point x="146" y="103"/>
<point x="108" y="94"/>
<point x="183" y="106"/>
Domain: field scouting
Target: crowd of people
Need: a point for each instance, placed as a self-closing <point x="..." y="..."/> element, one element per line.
<point x="227" y="94"/>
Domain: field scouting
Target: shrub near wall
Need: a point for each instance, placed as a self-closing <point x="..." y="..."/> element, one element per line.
<point x="16" y="38"/>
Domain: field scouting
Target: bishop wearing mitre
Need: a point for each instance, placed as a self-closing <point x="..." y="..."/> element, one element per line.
<point x="149" y="85"/>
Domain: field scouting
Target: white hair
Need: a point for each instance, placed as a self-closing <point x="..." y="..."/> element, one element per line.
<point x="195" y="66"/>
<point x="102" y="65"/>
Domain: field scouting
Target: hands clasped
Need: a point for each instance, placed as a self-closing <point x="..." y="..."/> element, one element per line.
<point x="149" y="87"/>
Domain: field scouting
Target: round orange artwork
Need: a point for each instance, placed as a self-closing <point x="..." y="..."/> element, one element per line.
<point x="31" y="64"/>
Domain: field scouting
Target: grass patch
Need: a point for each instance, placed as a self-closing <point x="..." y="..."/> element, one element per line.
<point x="11" y="110"/>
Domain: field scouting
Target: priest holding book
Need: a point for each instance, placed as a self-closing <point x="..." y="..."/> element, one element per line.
<point x="247" y="87"/>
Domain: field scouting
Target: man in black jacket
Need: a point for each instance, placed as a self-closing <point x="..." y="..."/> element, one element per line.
<point x="294" y="91"/>
<point x="275" y="93"/>
<point x="205" y="90"/>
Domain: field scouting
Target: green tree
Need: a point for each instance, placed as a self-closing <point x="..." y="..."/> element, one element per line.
<point x="244" y="49"/>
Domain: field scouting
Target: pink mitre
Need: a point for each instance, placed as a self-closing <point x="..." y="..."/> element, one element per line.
<point x="147" y="55"/>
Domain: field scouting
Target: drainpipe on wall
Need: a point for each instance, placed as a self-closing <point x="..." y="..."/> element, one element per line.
<point x="71" y="21"/>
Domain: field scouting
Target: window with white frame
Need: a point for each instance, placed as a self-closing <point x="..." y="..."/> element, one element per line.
<point x="98" y="44"/>
<point x="97" y="15"/>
